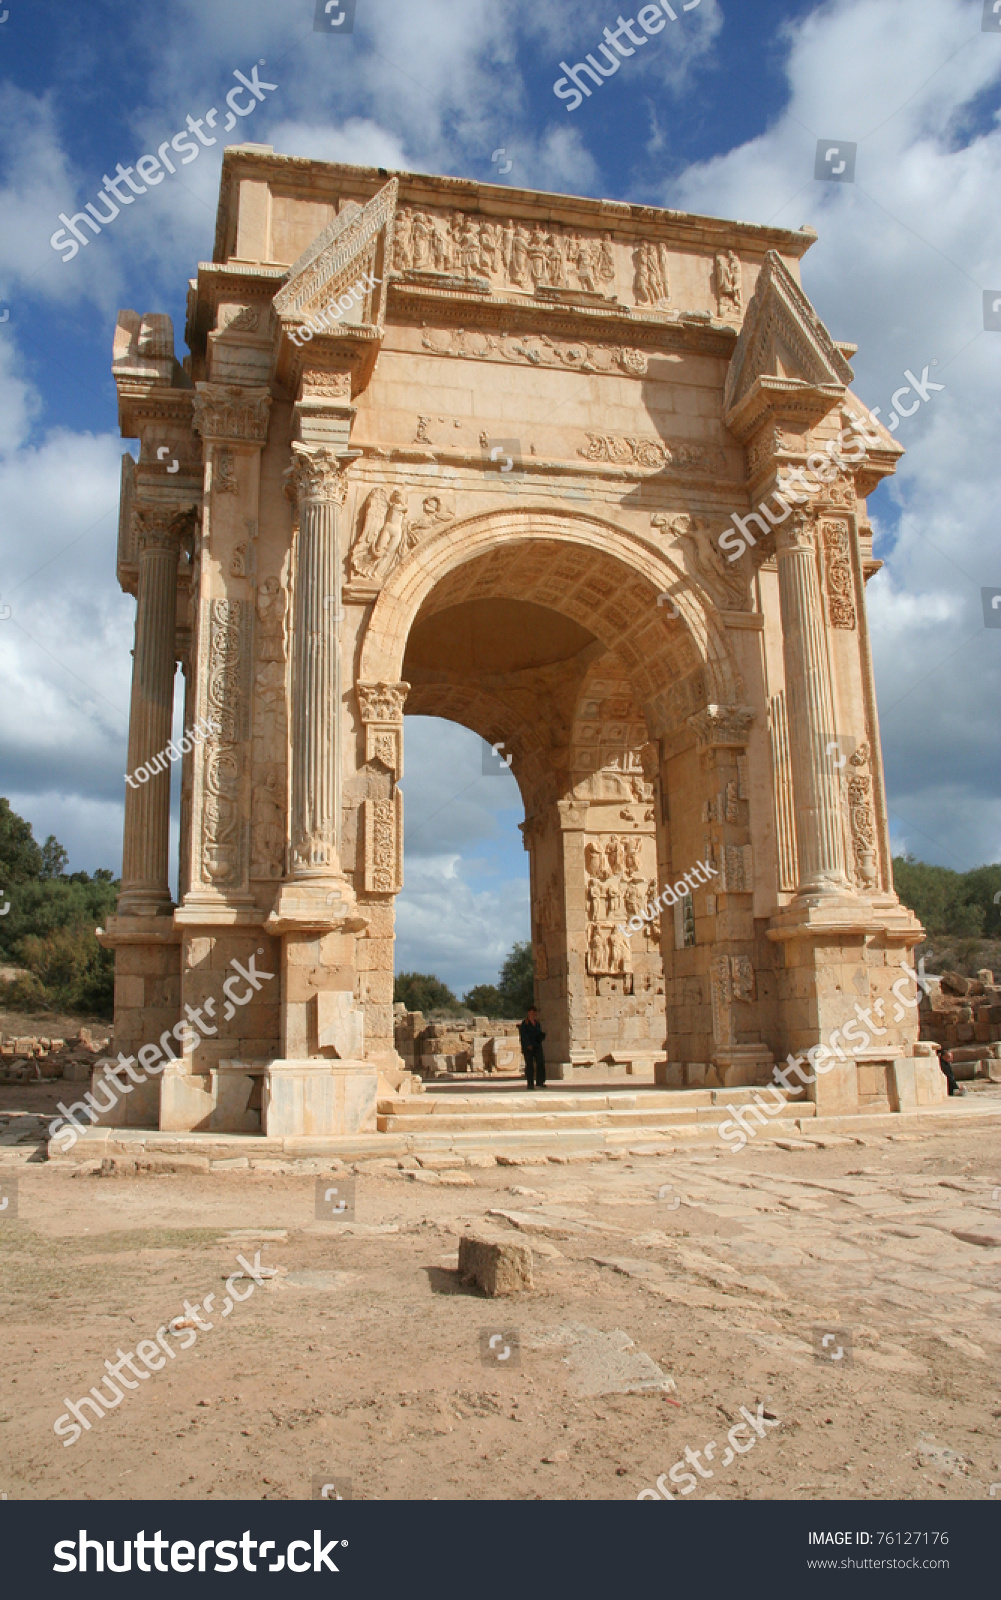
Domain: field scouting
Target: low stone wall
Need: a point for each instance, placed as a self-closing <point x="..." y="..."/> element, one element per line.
<point x="449" y="1045"/>
<point x="27" y="1057"/>
<point x="964" y="1015"/>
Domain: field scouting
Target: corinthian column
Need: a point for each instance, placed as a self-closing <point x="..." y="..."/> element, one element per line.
<point x="147" y="795"/>
<point x="811" y="722"/>
<point x="318" y="482"/>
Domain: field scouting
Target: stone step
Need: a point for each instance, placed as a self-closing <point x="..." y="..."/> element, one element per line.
<point x="434" y="1103"/>
<point x="494" y="1119"/>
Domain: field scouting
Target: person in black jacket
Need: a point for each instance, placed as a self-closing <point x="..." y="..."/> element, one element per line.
<point x="945" y="1062"/>
<point x="531" y="1036"/>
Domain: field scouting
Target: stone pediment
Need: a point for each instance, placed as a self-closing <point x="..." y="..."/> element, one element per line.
<point x="782" y="340"/>
<point x="356" y="245"/>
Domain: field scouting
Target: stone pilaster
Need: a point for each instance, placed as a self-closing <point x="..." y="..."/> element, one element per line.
<point x="145" y="890"/>
<point x="318" y="481"/>
<point x="809" y="702"/>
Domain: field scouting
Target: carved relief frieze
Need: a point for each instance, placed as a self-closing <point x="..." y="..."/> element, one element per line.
<point x="838" y="568"/>
<point x="857" y="800"/>
<point x="456" y="244"/>
<point x="382" y="830"/>
<point x="223" y="836"/>
<point x="623" y="450"/>
<point x="535" y="350"/>
<point x="722" y="725"/>
<point x="732" y="981"/>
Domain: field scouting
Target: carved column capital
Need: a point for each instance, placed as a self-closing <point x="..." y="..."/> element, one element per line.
<point x="381" y="702"/>
<point x="316" y="476"/>
<point x="231" y="412"/>
<point x="722" y="725"/>
<point x="381" y="707"/>
<point x="797" y="533"/>
<point x="161" y="527"/>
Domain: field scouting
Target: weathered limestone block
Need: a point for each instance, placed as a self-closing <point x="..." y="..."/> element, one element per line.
<point x="497" y="1266"/>
<point x="322" y="1098"/>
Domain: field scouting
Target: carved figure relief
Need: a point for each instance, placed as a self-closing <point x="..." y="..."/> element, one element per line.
<point x="701" y="561"/>
<point x="728" y="283"/>
<point x="385" y="532"/>
<point x="651" y="284"/>
<point x="464" y="245"/>
<point x="272" y="604"/>
<point x="238" y="565"/>
<point x="268" y="834"/>
<point x="837" y="563"/>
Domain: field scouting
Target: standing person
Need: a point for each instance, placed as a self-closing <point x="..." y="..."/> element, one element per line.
<point x="531" y="1036"/>
<point x="945" y="1062"/>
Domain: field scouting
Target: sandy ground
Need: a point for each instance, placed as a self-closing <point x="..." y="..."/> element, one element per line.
<point x="361" y="1362"/>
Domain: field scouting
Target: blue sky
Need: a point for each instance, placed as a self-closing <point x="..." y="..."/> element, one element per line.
<point x="720" y="113"/>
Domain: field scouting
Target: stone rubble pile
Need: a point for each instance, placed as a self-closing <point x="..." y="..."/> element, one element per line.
<point x="432" y="1049"/>
<point x="964" y="1015"/>
<point x="29" y="1057"/>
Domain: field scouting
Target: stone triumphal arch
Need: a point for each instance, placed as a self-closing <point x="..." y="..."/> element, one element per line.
<point x="469" y="451"/>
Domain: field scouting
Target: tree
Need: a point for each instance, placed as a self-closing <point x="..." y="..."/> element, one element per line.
<point x="517" y="980"/>
<point x="422" y="991"/>
<point x="486" y="1000"/>
<point x="20" y="857"/>
<point x="55" y="859"/>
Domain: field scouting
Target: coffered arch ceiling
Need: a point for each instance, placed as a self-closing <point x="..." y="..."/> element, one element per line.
<point x="590" y="573"/>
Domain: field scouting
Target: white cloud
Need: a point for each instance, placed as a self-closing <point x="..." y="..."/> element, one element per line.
<point x="899" y="267"/>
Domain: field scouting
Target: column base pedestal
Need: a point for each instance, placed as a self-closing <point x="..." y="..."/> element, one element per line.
<point x="319" y="1097"/>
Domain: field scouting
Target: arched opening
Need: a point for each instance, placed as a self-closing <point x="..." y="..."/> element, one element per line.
<point x="541" y="632"/>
